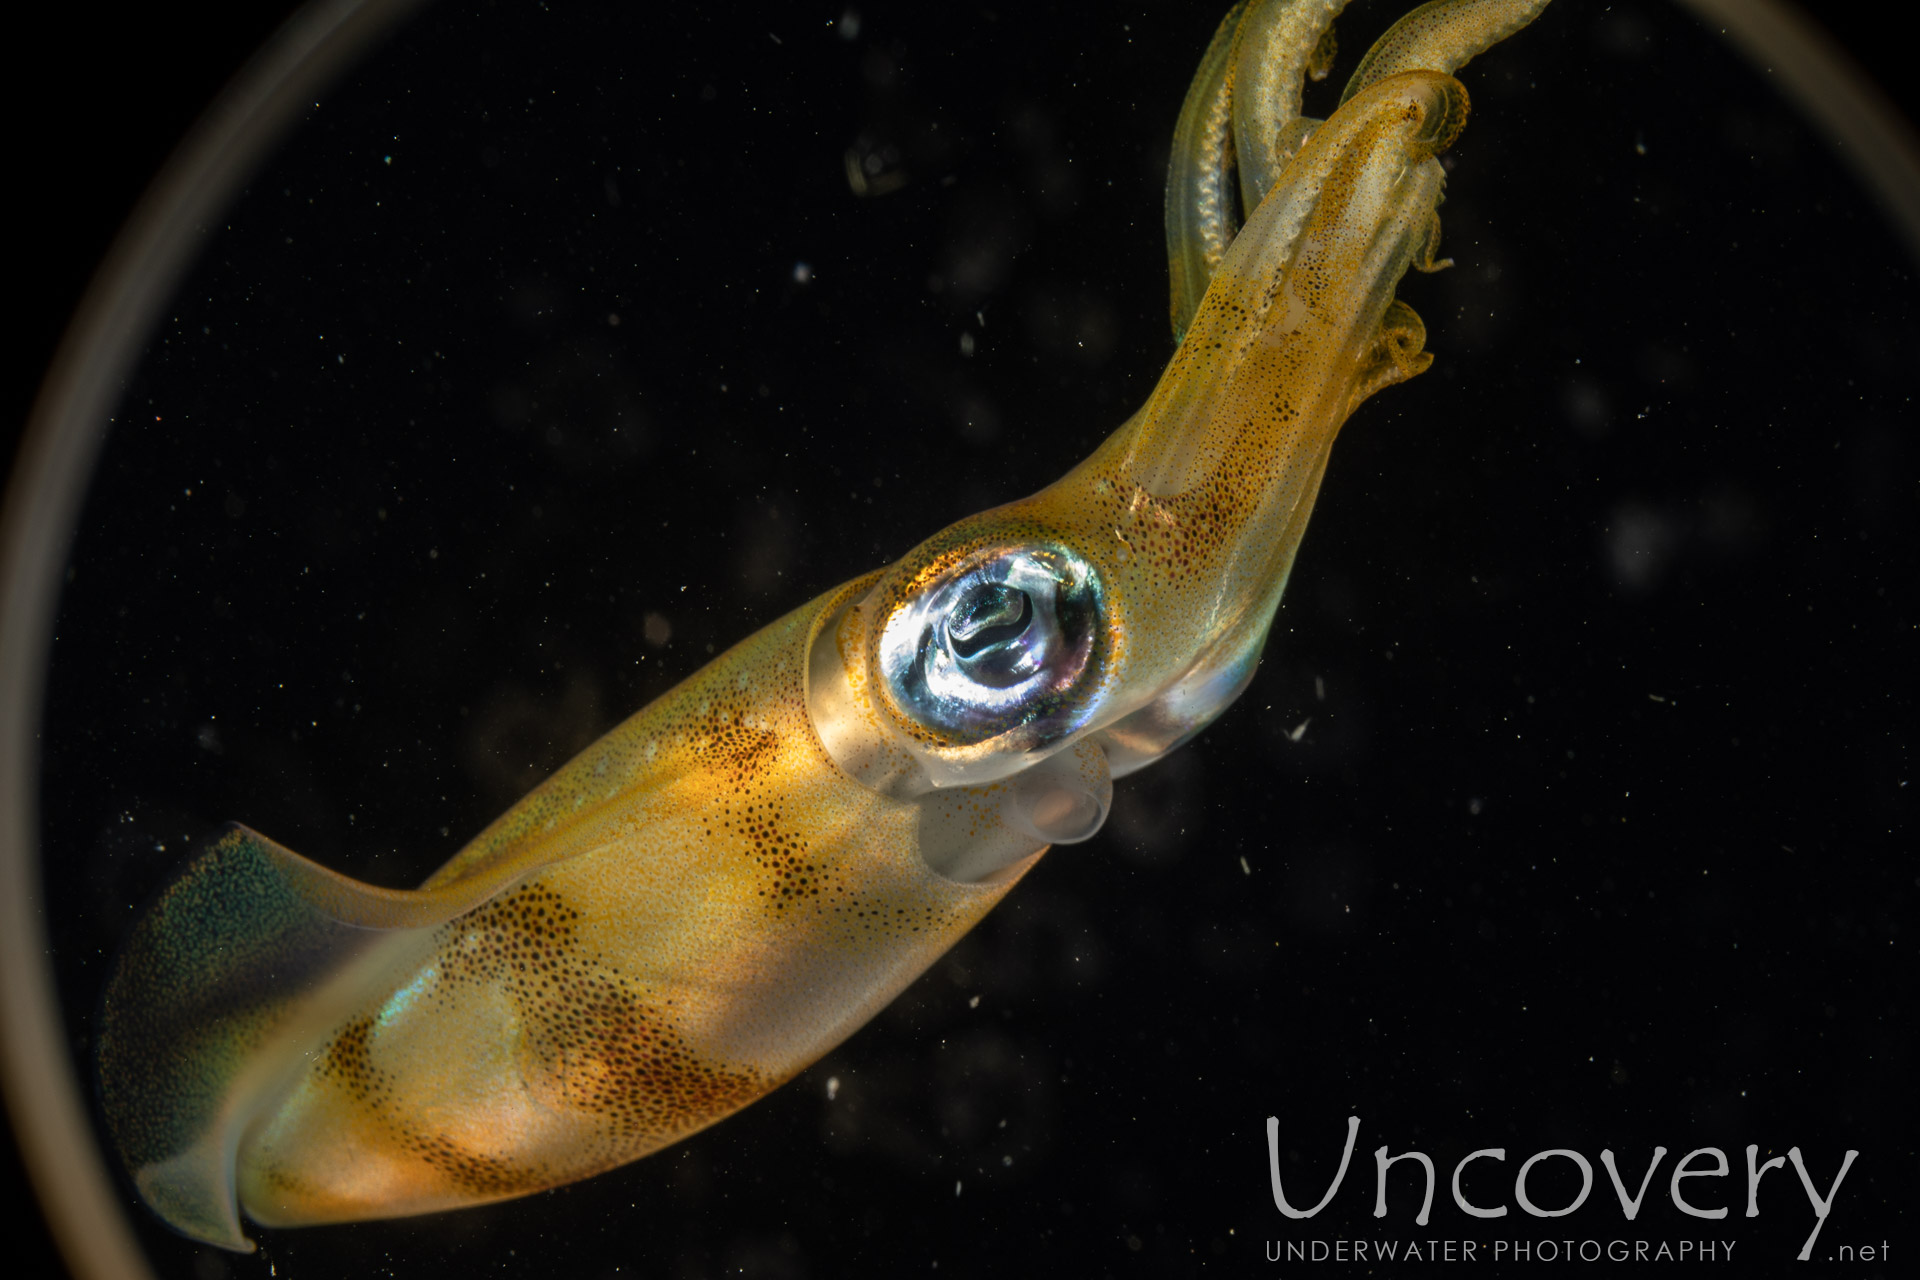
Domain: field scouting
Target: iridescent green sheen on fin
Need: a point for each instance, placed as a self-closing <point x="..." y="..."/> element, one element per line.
<point x="245" y="963"/>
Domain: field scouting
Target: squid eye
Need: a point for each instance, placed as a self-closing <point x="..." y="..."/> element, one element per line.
<point x="1000" y="642"/>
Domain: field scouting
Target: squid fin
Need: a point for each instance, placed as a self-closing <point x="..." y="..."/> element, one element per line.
<point x="249" y="958"/>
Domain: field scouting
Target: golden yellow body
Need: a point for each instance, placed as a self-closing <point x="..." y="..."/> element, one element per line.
<point x="738" y="877"/>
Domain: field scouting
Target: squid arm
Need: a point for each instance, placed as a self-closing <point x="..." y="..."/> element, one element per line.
<point x="735" y="879"/>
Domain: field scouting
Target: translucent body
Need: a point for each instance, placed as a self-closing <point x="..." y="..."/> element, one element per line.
<point x="735" y="879"/>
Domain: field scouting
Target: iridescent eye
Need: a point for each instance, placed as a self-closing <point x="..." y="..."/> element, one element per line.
<point x="1003" y="641"/>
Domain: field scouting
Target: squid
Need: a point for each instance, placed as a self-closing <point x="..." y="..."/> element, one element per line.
<point x="734" y="880"/>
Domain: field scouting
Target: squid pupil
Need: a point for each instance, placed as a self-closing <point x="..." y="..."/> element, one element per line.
<point x="991" y="615"/>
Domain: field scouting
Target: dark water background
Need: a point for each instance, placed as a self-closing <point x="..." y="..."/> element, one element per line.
<point x="1599" y="831"/>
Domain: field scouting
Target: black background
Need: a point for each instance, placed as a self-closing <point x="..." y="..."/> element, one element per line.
<point x="1498" y="894"/>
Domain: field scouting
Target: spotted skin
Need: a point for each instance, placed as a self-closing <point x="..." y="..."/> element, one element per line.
<point x="721" y="926"/>
<point x="734" y="880"/>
